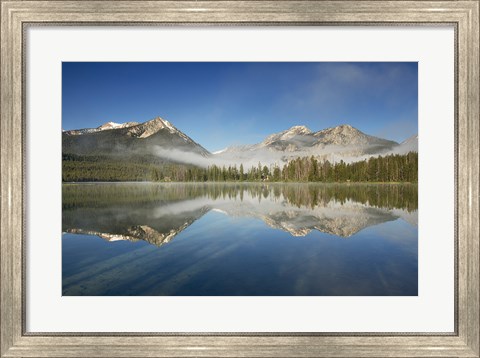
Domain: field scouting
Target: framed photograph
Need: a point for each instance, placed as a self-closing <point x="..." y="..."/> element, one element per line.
<point x="293" y="178"/>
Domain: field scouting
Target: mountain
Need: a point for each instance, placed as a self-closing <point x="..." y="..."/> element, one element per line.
<point x="143" y="151"/>
<point x="300" y="138"/>
<point x="103" y="127"/>
<point x="286" y="136"/>
<point x="129" y="140"/>
<point x="346" y="135"/>
<point x="408" y="145"/>
<point x="341" y="142"/>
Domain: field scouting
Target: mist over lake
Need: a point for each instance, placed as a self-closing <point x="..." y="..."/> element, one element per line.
<point x="259" y="239"/>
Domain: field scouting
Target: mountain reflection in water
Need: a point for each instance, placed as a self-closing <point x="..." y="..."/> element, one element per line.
<point x="159" y="213"/>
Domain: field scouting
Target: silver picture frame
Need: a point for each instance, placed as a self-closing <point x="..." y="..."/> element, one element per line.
<point x="16" y="16"/>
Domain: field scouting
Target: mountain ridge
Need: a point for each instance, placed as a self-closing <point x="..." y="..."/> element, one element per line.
<point x="161" y="139"/>
<point x="342" y="142"/>
<point x="145" y="138"/>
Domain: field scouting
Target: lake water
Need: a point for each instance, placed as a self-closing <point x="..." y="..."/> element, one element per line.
<point x="239" y="239"/>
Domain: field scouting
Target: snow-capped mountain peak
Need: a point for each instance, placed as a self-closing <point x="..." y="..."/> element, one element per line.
<point x="287" y="134"/>
<point x="103" y="127"/>
<point x="346" y="135"/>
<point x="299" y="130"/>
<point x="341" y="130"/>
<point x="157" y="136"/>
<point x="109" y="125"/>
<point x="151" y="127"/>
<point x="293" y="131"/>
<point x="134" y="129"/>
<point x="113" y="125"/>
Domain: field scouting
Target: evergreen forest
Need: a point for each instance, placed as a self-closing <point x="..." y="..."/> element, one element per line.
<point x="388" y="168"/>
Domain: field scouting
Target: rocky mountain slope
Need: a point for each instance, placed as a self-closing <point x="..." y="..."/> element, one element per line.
<point x="342" y="142"/>
<point x="129" y="139"/>
<point x="103" y="127"/>
<point x="408" y="145"/>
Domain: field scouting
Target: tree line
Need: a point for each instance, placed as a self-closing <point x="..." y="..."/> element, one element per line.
<point x="389" y="168"/>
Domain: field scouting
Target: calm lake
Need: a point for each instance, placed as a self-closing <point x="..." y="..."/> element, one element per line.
<point x="239" y="239"/>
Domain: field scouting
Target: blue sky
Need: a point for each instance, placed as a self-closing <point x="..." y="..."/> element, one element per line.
<point x="219" y="104"/>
